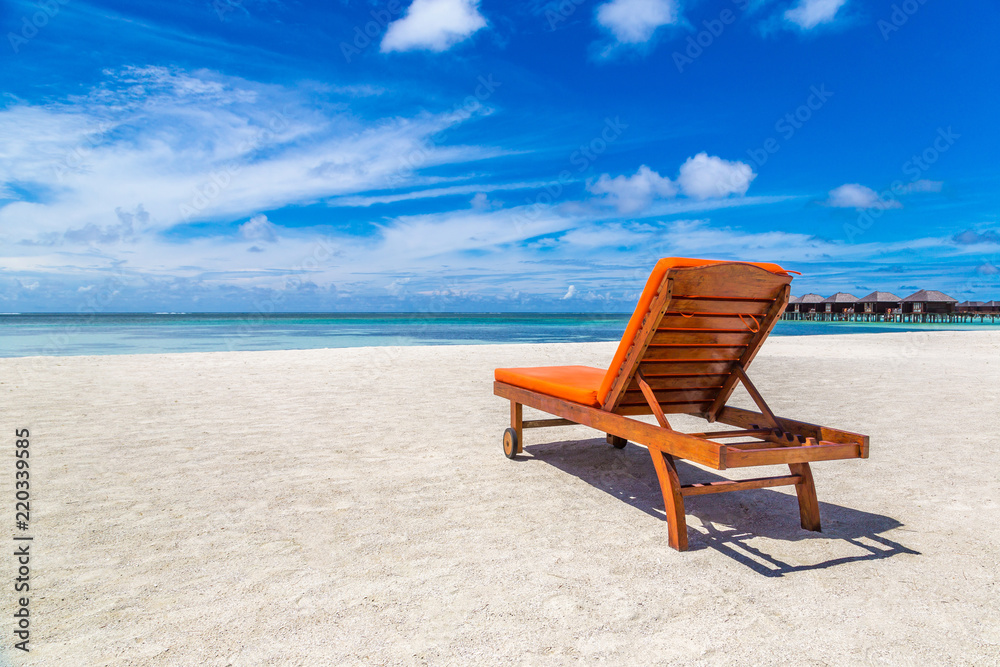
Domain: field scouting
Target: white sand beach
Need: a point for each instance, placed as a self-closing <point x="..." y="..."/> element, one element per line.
<point x="353" y="506"/>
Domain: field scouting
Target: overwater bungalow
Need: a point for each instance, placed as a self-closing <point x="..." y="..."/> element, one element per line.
<point x="880" y="303"/>
<point x="927" y="306"/>
<point x="840" y="303"/>
<point x="929" y="302"/>
<point x="808" y="303"/>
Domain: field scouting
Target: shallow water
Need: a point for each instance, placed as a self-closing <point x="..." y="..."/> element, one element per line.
<point x="140" y="333"/>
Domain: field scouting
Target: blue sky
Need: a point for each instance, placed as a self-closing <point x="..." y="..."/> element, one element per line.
<point x="455" y="155"/>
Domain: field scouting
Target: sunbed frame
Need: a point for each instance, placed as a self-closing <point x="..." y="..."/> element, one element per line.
<point x="703" y="328"/>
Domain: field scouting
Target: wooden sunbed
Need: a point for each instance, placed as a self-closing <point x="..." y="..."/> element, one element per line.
<point x="695" y="330"/>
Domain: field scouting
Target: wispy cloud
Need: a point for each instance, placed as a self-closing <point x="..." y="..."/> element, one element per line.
<point x="972" y="237"/>
<point x="431" y="193"/>
<point x="190" y="147"/>
<point x="922" y="185"/>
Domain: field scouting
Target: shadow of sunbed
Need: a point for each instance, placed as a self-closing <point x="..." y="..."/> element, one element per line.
<point x="629" y="476"/>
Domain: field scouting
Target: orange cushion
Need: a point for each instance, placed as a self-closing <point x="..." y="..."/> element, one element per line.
<point x="573" y="383"/>
<point x="641" y="308"/>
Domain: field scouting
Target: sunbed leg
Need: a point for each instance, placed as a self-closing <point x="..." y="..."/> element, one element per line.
<point x="806" y="491"/>
<point x="673" y="501"/>
<point x="517" y="423"/>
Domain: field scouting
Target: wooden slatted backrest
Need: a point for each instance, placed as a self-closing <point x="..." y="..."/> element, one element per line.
<point x="702" y="322"/>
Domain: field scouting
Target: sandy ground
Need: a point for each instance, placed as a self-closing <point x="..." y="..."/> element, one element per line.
<point x="353" y="506"/>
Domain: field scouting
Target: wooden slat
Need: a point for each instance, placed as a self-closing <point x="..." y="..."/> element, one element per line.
<point x="728" y="485"/>
<point x="676" y="367"/>
<point x="709" y="297"/>
<point x="680" y="381"/>
<point x="542" y="423"/>
<point x="692" y="306"/>
<point x="678" y="444"/>
<point x="687" y="352"/>
<point x="695" y="337"/>
<point x="825" y="451"/>
<point x="704" y="323"/>
<point x="727" y="280"/>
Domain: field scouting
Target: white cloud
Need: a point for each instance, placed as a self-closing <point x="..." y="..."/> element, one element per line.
<point x="704" y="177"/>
<point x="259" y="228"/>
<point x="570" y="293"/>
<point x="855" y="195"/>
<point x="635" y="21"/>
<point x="700" y="177"/>
<point x="177" y="147"/>
<point x="630" y="194"/>
<point x="807" y="14"/>
<point x="434" y="25"/>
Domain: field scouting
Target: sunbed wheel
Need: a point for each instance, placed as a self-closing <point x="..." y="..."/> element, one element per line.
<point x="510" y="443"/>
<point x="617" y="442"/>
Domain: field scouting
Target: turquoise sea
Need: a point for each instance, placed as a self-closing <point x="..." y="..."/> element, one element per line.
<point x="24" y="335"/>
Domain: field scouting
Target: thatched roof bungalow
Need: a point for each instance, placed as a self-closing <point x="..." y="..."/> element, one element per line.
<point x="880" y="302"/>
<point x="929" y="301"/>
<point x="840" y="302"/>
<point x="808" y="303"/>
